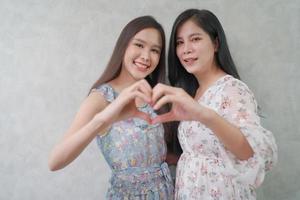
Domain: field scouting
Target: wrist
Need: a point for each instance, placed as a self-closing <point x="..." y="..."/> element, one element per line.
<point x="207" y="116"/>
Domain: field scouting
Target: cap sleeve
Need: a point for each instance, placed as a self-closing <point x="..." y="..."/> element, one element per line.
<point x="107" y="91"/>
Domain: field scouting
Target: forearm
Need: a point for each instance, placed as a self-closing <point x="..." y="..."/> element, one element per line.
<point x="70" y="147"/>
<point x="228" y="134"/>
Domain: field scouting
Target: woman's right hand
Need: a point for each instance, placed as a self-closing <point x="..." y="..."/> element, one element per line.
<point x="93" y="117"/>
<point x="124" y="106"/>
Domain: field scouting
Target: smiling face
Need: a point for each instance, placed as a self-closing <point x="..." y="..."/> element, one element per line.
<point x="142" y="54"/>
<point x="195" y="49"/>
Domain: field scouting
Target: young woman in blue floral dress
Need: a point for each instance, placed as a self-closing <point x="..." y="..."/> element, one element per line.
<point x="118" y="114"/>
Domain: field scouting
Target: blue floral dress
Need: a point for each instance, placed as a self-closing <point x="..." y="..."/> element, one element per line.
<point x="135" y="152"/>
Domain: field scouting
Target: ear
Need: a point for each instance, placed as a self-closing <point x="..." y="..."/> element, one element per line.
<point x="216" y="43"/>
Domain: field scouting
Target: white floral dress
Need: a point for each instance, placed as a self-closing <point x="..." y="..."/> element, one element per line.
<point x="206" y="170"/>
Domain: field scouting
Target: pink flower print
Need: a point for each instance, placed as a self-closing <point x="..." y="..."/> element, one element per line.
<point x="197" y="147"/>
<point x="204" y="169"/>
<point x="215" y="193"/>
<point x="195" y="193"/>
<point x="225" y="103"/>
<point x="189" y="131"/>
<point x="135" y="137"/>
<point x="242" y="115"/>
<point x="192" y="177"/>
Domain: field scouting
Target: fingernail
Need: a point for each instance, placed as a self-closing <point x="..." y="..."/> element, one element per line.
<point x="151" y="103"/>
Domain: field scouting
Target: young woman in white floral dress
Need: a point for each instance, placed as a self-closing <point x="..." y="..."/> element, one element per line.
<point x="226" y="151"/>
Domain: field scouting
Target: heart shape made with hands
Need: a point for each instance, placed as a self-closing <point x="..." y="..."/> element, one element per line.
<point x="162" y="95"/>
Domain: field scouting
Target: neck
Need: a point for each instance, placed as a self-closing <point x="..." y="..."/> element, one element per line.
<point x="209" y="77"/>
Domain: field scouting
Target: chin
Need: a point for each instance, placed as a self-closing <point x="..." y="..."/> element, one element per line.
<point x="142" y="75"/>
<point x="138" y="77"/>
<point x="190" y="70"/>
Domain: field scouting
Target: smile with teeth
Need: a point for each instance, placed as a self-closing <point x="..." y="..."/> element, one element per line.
<point x="141" y="66"/>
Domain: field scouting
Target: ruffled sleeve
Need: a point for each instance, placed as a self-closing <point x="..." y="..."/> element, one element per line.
<point x="238" y="106"/>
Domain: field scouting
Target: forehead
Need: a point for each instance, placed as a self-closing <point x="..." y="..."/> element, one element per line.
<point x="150" y="36"/>
<point x="188" y="28"/>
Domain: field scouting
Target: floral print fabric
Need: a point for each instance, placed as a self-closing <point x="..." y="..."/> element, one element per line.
<point x="206" y="170"/>
<point x="135" y="152"/>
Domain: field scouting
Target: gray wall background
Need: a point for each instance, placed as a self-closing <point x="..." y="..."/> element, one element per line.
<point x="52" y="51"/>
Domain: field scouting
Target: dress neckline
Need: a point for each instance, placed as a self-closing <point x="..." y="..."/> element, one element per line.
<point x="215" y="83"/>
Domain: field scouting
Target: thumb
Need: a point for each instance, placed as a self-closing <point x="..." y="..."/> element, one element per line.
<point x="167" y="117"/>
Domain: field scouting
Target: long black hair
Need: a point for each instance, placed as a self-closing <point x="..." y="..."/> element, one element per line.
<point x="113" y="68"/>
<point x="178" y="76"/>
<point x="206" y="20"/>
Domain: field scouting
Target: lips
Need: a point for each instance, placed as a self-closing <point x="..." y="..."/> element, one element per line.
<point x="189" y="61"/>
<point x="141" y="66"/>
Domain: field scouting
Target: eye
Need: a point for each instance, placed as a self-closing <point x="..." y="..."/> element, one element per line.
<point x="179" y="42"/>
<point x="156" y="51"/>
<point x="139" y="45"/>
<point x="196" y="39"/>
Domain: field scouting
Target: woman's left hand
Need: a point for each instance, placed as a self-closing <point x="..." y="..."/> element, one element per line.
<point x="184" y="107"/>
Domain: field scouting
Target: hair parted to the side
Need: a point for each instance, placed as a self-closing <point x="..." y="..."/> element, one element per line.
<point x="206" y="20"/>
<point x="178" y="76"/>
<point x="114" y="65"/>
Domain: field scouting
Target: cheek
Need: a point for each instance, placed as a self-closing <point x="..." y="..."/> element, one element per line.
<point x="208" y="48"/>
<point x="126" y="55"/>
<point x="178" y="52"/>
<point x="155" y="59"/>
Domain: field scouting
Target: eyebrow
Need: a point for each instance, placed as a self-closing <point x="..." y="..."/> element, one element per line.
<point x="142" y="41"/>
<point x="191" y="35"/>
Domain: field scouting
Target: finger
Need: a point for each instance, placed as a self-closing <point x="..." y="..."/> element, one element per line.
<point x="138" y="94"/>
<point x="164" y="100"/>
<point x="160" y="90"/>
<point x="167" y="117"/>
<point x="143" y="116"/>
<point x="144" y="87"/>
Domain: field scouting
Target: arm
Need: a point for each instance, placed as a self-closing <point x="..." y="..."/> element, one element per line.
<point x="228" y="134"/>
<point x="93" y="117"/>
<point x="82" y="131"/>
<point x="237" y="126"/>
<point x="184" y="107"/>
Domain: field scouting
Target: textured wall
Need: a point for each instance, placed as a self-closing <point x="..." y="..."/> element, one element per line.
<point x="52" y="51"/>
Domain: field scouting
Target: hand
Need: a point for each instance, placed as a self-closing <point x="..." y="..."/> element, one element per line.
<point x="184" y="107"/>
<point x="124" y="106"/>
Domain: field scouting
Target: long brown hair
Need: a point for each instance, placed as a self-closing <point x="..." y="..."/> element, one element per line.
<point x="113" y="68"/>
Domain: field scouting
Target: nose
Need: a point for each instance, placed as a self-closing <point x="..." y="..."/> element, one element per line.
<point x="187" y="48"/>
<point x="145" y="55"/>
